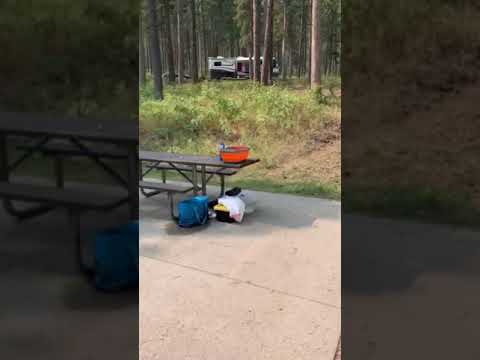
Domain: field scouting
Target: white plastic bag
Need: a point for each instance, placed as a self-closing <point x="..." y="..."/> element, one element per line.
<point x="249" y="200"/>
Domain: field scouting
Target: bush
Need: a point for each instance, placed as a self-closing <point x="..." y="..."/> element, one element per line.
<point x="194" y="118"/>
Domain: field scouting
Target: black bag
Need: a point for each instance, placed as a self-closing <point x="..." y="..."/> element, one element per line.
<point x="224" y="216"/>
<point x="211" y="204"/>
<point x="233" y="192"/>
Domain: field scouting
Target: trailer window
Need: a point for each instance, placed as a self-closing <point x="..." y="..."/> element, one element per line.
<point x="217" y="63"/>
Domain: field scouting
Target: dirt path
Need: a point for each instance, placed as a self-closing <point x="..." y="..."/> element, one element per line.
<point x="318" y="160"/>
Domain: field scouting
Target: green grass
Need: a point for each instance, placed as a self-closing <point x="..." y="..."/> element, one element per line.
<point x="326" y="191"/>
<point x="197" y="117"/>
<point x="274" y="121"/>
<point x="413" y="203"/>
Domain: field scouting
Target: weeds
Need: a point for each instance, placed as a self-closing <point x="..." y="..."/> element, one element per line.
<point x="196" y="118"/>
<point x="206" y="114"/>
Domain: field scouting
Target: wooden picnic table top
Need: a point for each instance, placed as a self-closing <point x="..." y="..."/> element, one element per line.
<point x="192" y="159"/>
<point x="28" y="124"/>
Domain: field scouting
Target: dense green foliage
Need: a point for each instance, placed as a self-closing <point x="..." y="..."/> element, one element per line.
<point x="224" y="28"/>
<point x="77" y="57"/>
<point x="384" y="34"/>
<point x="196" y="118"/>
<point x="410" y="66"/>
<point x="277" y="122"/>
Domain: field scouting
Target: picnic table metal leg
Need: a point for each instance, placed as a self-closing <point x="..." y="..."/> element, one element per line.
<point x="5" y="176"/>
<point x="133" y="181"/>
<point x="3" y="158"/>
<point x="4" y="167"/>
<point x="194" y="179"/>
<point x="204" y="180"/>
<point x="222" y="185"/>
<point x="76" y="227"/>
<point x="97" y="160"/>
<point x="172" y="206"/>
<point x="59" y="171"/>
<point x="75" y="221"/>
<point x="181" y="172"/>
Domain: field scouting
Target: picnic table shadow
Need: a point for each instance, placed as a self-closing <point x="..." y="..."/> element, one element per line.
<point x="42" y="290"/>
<point x="40" y="255"/>
<point x="383" y="255"/>
<point x="266" y="217"/>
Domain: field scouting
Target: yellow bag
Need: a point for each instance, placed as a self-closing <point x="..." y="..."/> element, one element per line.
<point x="220" y="207"/>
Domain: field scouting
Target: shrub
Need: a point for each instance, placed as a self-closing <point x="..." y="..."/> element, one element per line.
<point x="194" y="118"/>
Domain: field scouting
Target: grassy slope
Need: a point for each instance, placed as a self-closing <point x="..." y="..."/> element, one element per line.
<point x="426" y="102"/>
<point x="294" y="131"/>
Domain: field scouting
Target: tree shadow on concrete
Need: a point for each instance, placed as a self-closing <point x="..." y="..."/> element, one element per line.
<point x="272" y="210"/>
<point x="382" y="255"/>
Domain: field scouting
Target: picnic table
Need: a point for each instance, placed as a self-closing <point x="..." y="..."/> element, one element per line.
<point x="66" y="136"/>
<point x="190" y="167"/>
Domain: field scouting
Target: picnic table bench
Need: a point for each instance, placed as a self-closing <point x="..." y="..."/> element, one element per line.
<point x="189" y="167"/>
<point x="60" y="137"/>
<point x="221" y="172"/>
<point x="65" y="149"/>
<point x="159" y="188"/>
<point x="75" y="201"/>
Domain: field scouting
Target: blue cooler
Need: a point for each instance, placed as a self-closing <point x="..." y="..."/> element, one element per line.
<point x="193" y="212"/>
<point x="116" y="257"/>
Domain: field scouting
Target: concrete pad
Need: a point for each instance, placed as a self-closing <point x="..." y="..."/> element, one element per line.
<point x="187" y="314"/>
<point x="285" y="256"/>
<point x="412" y="287"/>
<point x="48" y="310"/>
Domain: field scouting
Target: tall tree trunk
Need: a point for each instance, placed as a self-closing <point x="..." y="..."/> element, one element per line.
<point x="168" y="34"/>
<point x="215" y="45"/>
<point x="283" y="64"/>
<point x="232" y="47"/>
<point x="308" y="49"/>
<point x="181" y="70"/>
<point x="142" y="71"/>
<point x="194" y="43"/>
<point x="331" y="52"/>
<point x="267" y="50"/>
<point x="250" y="45"/>
<point x="290" y="64"/>
<point x="271" y="49"/>
<point x="187" y="49"/>
<point x="155" y="50"/>
<point x="250" y="41"/>
<point x="256" y="39"/>
<point x="147" y="54"/>
<point x="303" y="41"/>
<point x="315" y="51"/>
<point x="205" y="41"/>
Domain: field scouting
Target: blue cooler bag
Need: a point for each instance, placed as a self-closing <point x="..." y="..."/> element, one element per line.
<point x="193" y="212"/>
<point x="116" y="258"/>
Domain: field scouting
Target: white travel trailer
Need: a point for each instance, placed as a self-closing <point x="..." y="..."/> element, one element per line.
<point x="233" y="67"/>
